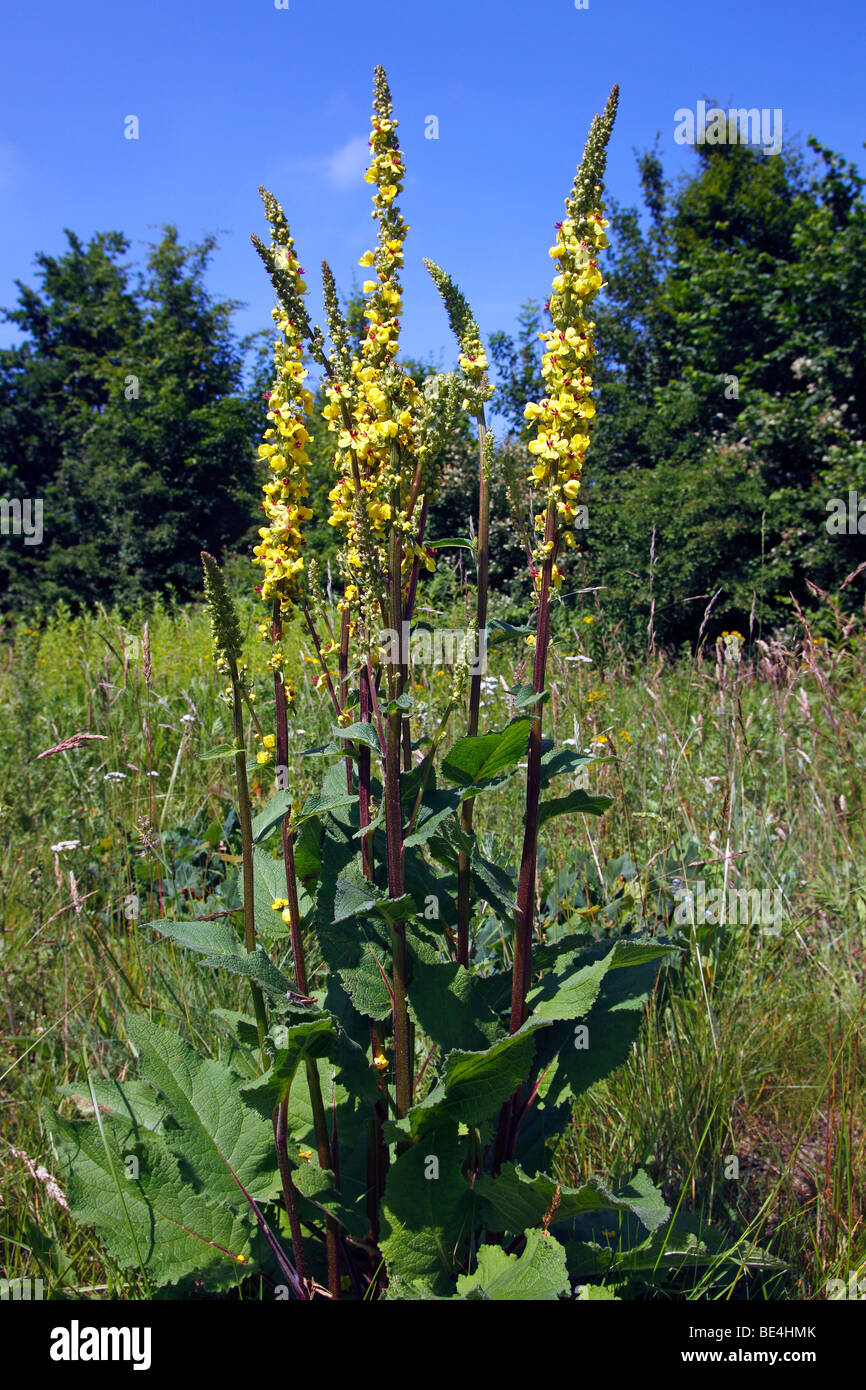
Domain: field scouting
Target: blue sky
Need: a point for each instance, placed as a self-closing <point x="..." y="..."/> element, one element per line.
<point x="233" y="93"/>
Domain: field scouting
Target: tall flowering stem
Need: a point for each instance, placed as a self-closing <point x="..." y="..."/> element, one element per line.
<point x="279" y="554"/>
<point x="563" y="423"/>
<point x="377" y="413"/>
<point x="473" y="364"/>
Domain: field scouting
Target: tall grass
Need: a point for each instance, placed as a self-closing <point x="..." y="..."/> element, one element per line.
<point x="744" y="1094"/>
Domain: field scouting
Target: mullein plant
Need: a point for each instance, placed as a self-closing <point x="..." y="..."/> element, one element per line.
<point x="383" y="1124"/>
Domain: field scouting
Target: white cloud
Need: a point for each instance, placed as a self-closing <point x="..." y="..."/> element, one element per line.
<point x="346" y="166"/>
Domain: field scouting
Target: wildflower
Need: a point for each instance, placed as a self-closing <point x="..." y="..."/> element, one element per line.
<point x="269" y="741"/>
<point x="289" y="404"/>
<point x="114" y="777"/>
<point x="65" y="844"/>
<point x="626" y="736"/>
<point x="279" y="903"/>
<point x="305" y="1154"/>
<point x="380" y="1062"/>
<point x="187" y="719"/>
<point x="562" y="419"/>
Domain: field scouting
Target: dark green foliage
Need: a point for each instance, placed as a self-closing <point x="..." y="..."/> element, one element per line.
<point x="732" y="392"/>
<point x="124" y="409"/>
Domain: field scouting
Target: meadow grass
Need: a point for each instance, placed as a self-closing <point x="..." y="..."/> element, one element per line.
<point x="741" y="768"/>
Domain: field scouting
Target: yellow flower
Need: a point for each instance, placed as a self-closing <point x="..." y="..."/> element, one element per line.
<point x="279" y="903"/>
<point x="269" y="741"/>
<point x="380" y="1062"/>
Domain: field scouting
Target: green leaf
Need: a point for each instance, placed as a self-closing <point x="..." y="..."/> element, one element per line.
<point x="513" y="1202"/>
<point x="566" y="992"/>
<point x="133" y="1101"/>
<point x="292" y="1045"/>
<point x="493" y="883"/>
<point x="332" y="797"/>
<point x="446" y="1001"/>
<point x="404" y="703"/>
<point x="272" y="814"/>
<point x="611" y="1026"/>
<point x="211" y="938"/>
<point x="219" y="1136"/>
<point x="500" y="631"/>
<point x="225" y="750"/>
<point x="157" y="1218"/>
<point x="473" y="1085"/>
<point x="576" y="801"/>
<point x="308" y="862"/>
<point x="359" y="733"/>
<point x="355" y="899"/>
<point x="459" y="542"/>
<point x="537" y="1275"/>
<point x="472" y="761"/>
<point x="435" y="808"/>
<point x="523" y="696"/>
<point x="427" y="1212"/>
<point x="257" y="965"/>
<point x="558" y="761"/>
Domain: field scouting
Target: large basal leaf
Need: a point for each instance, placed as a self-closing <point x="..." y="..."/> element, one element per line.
<point x="134" y="1101"/>
<point x="479" y="759"/>
<point x="427" y="1213"/>
<point x="218" y="1136"/>
<point x="683" y="1243"/>
<point x="514" y="1202"/>
<point x="155" y="1219"/>
<point x="539" y="1274"/>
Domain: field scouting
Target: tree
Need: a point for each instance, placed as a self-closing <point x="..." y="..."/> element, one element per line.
<point x="731" y="382"/>
<point x="125" y="411"/>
